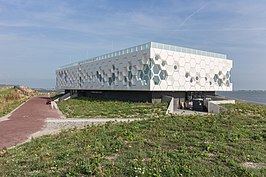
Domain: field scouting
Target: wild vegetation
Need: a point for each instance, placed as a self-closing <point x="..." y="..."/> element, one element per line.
<point x="9" y="100"/>
<point x="93" y="108"/>
<point x="196" y="145"/>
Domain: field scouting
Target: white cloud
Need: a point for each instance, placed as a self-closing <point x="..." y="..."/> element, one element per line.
<point x="49" y="30"/>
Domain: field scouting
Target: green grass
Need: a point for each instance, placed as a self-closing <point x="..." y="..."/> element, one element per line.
<point x="91" y="108"/>
<point x="9" y="100"/>
<point x="196" y="145"/>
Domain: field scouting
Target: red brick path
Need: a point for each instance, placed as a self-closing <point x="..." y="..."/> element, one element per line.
<point x="26" y="120"/>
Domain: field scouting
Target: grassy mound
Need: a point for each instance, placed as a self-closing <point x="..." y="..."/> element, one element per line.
<point x="9" y="100"/>
<point x="91" y="108"/>
<point x="197" y="145"/>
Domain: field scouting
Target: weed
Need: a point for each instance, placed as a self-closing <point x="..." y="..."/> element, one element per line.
<point x="91" y="108"/>
<point x="196" y="145"/>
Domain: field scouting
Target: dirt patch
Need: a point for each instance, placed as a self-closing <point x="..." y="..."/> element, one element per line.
<point x="254" y="165"/>
<point x="111" y="157"/>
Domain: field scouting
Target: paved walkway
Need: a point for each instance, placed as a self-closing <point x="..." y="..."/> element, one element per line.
<point x="26" y="120"/>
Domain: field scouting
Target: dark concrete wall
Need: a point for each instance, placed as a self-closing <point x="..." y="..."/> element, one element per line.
<point x="136" y="96"/>
<point x="158" y="95"/>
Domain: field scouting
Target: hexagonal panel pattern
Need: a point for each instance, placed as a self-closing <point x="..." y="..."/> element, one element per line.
<point x="163" y="75"/>
<point x="149" y="67"/>
<point x="140" y="75"/>
<point x="156" y="80"/>
<point x="156" y="69"/>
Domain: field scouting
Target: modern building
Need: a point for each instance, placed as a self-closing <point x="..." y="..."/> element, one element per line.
<point x="148" y="72"/>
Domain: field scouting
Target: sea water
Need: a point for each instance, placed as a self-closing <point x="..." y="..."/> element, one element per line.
<point x="258" y="96"/>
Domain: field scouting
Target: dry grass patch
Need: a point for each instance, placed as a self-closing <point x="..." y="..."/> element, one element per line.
<point x="10" y="99"/>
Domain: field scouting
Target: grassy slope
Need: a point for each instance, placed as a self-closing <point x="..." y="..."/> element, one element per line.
<point x="9" y="100"/>
<point x="91" y="108"/>
<point x="214" y="145"/>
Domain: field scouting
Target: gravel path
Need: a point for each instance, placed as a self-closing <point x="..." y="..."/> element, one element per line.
<point x="25" y="121"/>
<point x="55" y="125"/>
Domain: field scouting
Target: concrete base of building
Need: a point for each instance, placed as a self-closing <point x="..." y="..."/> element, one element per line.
<point x="138" y="96"/>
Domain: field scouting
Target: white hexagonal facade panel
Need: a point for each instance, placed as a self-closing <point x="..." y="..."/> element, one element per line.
<point x="164" y="54"/>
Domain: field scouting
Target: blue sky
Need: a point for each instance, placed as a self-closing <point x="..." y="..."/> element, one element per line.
<point x="38" y="36"/>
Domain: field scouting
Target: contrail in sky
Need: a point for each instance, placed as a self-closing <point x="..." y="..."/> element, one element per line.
<point x="225" y="29"/>
<point x="191" y="15"/>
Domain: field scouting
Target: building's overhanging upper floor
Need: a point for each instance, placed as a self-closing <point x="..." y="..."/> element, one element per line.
<point x="151" y="66"/>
